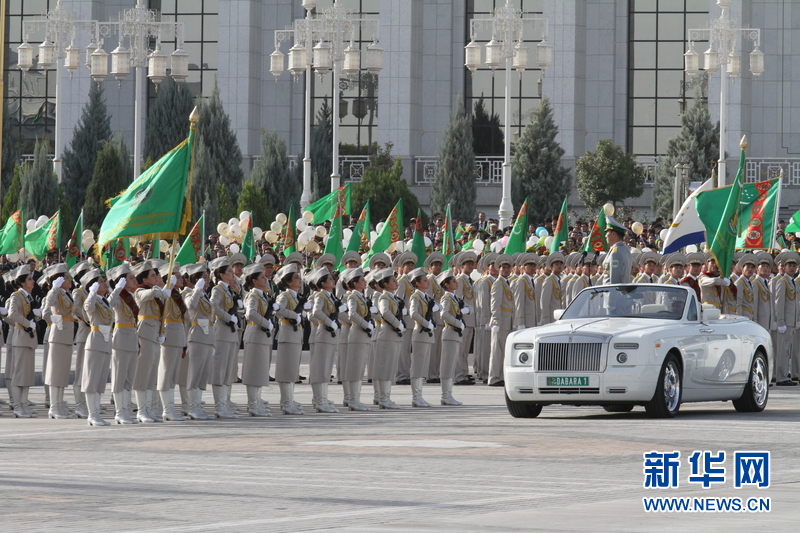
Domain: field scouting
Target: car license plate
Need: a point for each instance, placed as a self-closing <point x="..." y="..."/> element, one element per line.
<point x="568" y="381"/>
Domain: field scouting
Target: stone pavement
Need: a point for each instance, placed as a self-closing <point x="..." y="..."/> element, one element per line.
<point x="470" y="468"/>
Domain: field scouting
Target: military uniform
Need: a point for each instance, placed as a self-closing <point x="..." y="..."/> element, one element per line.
<point x="98" y="350"/>
<point x="290" y="342"/>
<point x="502" y="318"/>
<point x="20" y="312"/>
<point x="452" y="337"/>
<point x="421" y="307"/>
<point x="59" y="310"/>
<point x="172" y="349"/>
<point x="483" y="317"/>
<point x="359" y="341"/>
<point x="389" y="343"/>
<point x="124" y="345"/>
<point x="150" y="302"/>
<point x="257" y="345"/>
<point x="786" y="319"/>
<point x="325" y="321"/>
<point x="199" y="341"/>
<point x="526" y="304"/>
<point x="226" y="346"/>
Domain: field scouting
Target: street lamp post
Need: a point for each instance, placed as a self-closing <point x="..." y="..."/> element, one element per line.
<point x="723" y="36"/>
<point x="678" y="190"/>
<point x="59" y="27"/>
<point x="507" y="25"/>
<point x="325" y="42"/>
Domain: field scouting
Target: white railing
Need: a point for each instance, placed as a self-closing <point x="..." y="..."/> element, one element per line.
<point x="352" y="167"/>
<point x="760" y="169"/>
<point x="488" y="170"/>
<point x="650" y="164"/>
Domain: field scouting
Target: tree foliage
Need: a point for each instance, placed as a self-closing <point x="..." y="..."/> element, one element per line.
<point x="382" y="187"/>
<point x="536" y="166"/>
<point x="322" y="152"/>
<point x="272" y="175"/>
<point x="487" y="135"/>
<point x="167" y="119"/>
<point x="112" y="174"/>
<point x="455" y="172"/>
<point x="697" y="145"/>
<point x="10" y="153"/>
<point x="88" y="136"/>
<point x="11" y="195"/>
<point x="204" y="186"/>
<point x="226" y="204"/>
<point x="224" y="155"/>
<point x="608" y="175"/>
<point x="38" y="192"/>
<point x="252" y="199"/>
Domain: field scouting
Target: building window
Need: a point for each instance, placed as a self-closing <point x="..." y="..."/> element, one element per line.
<point x="524" y="90"/>
<point x="656" y="78"/>
<point x="358" y="98"/>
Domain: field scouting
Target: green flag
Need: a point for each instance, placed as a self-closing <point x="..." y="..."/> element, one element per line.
<point x="44" y="238"/>
<point x="721" y="219"/>
<point x="11" y="238"/>
<point x="334" y="243"/>
<point x="74" y="245"/>
<point x="516" y="241"/>
<point x="155" y="203"/>
<point x="290" y="235"/>
<point x="390" y="232"/>
<point x="249" y="243"/>
<point x="561" y="232"/>
<point x="117" y="253"/>
<point x="449" y="242"/>
<point x="597" y="237"/>
<point x="325" y="208"/>
<point x="193" y="245"/>
<point x="418" y="243"/>
<point x="361" y="232"/>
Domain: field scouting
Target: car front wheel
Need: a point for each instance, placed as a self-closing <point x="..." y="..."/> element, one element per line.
<point x="523" y="409"/>
<point x="667" y="399"/>
<point x="756" y="392"/>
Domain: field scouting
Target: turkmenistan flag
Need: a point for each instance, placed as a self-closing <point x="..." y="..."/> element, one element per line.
<point x="290" y="235"/>
<point x="156" y="203"/>
<point x="74" y="245"/>
<point x="418" y="243"/>
<point x="11" y="237"/>
<point x="721" y="218"/>
<point x="249" y="242"/>
<point x="193" y="245"/>
<point x="44" y="238"/>
<point x="597" y="237"/>
<point x="392" y="231"/>
<point x="361" y="232"/>
<point x="516" y="241"/>
<point x="561" y="232"/>
<point x="325" y="208"/>
<point x="117" y="253"/>
<point x="334" y="243"/>
<point x="449" y="241"/>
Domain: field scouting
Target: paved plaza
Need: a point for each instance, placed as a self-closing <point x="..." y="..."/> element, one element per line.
<point x="470" y="468"/>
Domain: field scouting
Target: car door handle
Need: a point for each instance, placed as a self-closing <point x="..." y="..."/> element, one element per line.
<point x="706" y="331"/>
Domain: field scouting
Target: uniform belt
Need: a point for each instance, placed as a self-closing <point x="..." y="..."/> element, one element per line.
<point x="66" y="319"/>
<point x="95" y="328"/>
<point x="285" y="321"/>
<point x="251" y="323"/>
<point x="195" y="323"/>
<point x="174" y="321"/>
<point x="152" y="317"/>
<point x="506" y="309"/>
<point x="124" y="325"/>
<point x="747" y="309"/>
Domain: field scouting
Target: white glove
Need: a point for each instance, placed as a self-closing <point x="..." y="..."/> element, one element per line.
<point x="58" y="282"/>
<point x="233" y="319"/>
<point x="37" y="312"/>
<point x="334" y="326"/>
<point x="781" y="329"/>
<point x="405" y="312"/>
<point x="488" y="327"/>
<point x="173" y="281"/>
<point x="161" y="340"/>
<point x="402" y="327"/>
<point x="431" y="326"/>
<point x="94" y="287"/>
<point x="370" y="326"/>
<point x="3" y="311"/>
<point x="436" y="308"/>
<point x="239" y="303"/>
<point x="32" y="324"/>
<point x="461" y="324"/>
<point x="200" y="284"/>
<point x="373" y="309"/>
<point x="118" y="288"/>
<point x="307" y="306"/>
<point x="276" y="306"/>
<point x="166" y="291"/>
<point x="465" y="310"/>
<point x="270" y="327"/>
<point x="342" y="308"/>
<point x="726" y="282"/>
<point x="495" y="328"/>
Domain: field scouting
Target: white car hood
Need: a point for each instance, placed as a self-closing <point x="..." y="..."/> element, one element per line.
<point x="603" y="326"/>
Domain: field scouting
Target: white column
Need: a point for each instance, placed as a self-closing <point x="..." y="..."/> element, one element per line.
<point x="335" y="178"/>
<point x="57" y="155"/>
<point x="506" y="211"/>
<point x="305" y="198"/>
<point x="138" y="125"/>
<point x="723" y="105"/>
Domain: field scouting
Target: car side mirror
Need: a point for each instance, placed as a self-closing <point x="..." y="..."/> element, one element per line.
<point x="558" y="313"/>
<point x="710" y="312"/>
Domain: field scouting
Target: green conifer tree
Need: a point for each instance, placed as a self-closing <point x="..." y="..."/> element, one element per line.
<point x="273" y="176"/>
<point x="167" y="119"/>
<point x="88" y="136"/>
<point x="10" y="152"/>
<point x="39" y="185"/>
<point x="608" y="175"/>
<point x="455" y="173"/>
<point x="112" y="174"/>
<point x="322" y="152"/>
<point x="382" y="187"/>
<point x="224" y="154"/>
<point x="536" y="170"/>
<point x="204" y="186"/>
<point x="487" y="135"/>
<point x="11" y="195"/>
<point x="253" y="199"/>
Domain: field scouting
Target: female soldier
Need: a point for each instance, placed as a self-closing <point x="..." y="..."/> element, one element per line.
<point x="174" y="341"/>
<point x="226" y="344"/>
<point x="200" y="350"/>
<point x="325" y="319"/>
<point x="390" y="338"/>
<point x="290" y="336"/>
<point x="359" y="337"/>
<point x="22" y="314"/>
<point x="257" y="337"/>
<point x="60" y="309"/>
<point x="149" y="297"/>
<point x="125" y="341"/>
<point x="98" y="345"/>
<point x="421" y="309"/>
<point x="451" y="336"/>
<point x="79" y="295"/>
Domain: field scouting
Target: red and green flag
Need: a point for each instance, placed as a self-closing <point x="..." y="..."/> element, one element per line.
<point x="334" y="243"/>
<point x="12" y="235"/>
<point x="449" y="242"/>
<point x="390" y="232"/>
<point x="517" y="240"/>
<point x="74" y="245"/>
<point x="117" y="253"/>
<point x="360" y="232"/>
<point x="561" y="233"/>
<point x="597" y="237"/>
<point x="290" y="235"/>
<point x="249" y="242"/>
<point x="418" y="242"/>
<point x="192" y="247"/>
<point x="325" y="208"/>
<point x="44" y="238"/>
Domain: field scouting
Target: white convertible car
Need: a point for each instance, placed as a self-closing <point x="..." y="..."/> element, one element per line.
<point x="624" y="345"/>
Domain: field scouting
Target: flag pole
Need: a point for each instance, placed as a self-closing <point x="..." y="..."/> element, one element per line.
<point x="777" y="213"/>
<point x="203" y="236"/>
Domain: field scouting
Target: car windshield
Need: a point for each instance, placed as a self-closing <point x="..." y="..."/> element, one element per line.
<point x="633" y="301"/>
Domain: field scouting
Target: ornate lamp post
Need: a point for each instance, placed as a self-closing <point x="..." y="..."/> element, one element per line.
<point x="325" y="42"/>
<point x="723" y="36"/>
<point x="507" y="46"/>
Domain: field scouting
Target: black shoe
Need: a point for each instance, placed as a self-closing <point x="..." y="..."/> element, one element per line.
<point x="786" y="383"/>
<point x="500" y="383"/>
<point x="369" y="380"/>
<point x="795" y="378"/>
<point x="238" y="380"/>
<point x="339" y="382"/>
<point x="403" y="382"/>
<point x="271" y="378"/>
<point x="485" y="381"/>
<point x="301" y="378"/>
<point x="464" y="382"/>
<point x="434" y="380"/>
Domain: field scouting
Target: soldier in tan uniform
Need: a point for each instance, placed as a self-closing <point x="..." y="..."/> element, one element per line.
<point x="359" y="336"/>
<point x="149" y="297"/>
<point x="326" y="318"/>
<point x="59" y="310"/>
<point x="257" y="337"/>
<point x="390" y="338"/>
<point x="588" y="269"/>
<point x="502" y="319"/>
<point x="290" y="336"/>
<point x="746" y="292"/>
<point x="466" y="292"/>
<point x="200" y="340"/>
<point x="674" y="274"/>
<point x="403" y="264"/>
<point x="552" y="294"/>
<point x="79" y="295"/>
<point x="434" y="264"/>
<point x="526" y="304"/>
<point x="452" y="336"/>
<point x="226" y="335"/>
<point x="483" y="315"/>
<point x="786" y="317"/>
<point x="711" y="284"/>
<point x="421" y="309"/>
<point x="23" y="316"/>
<point x="98" y="344"/>
<point x="764" y="309"/>
<point x="124" y="342"/>
<point x="173" y="345"/>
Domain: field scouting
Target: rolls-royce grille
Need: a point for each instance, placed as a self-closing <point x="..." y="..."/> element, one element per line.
<point x="569" y="357"/>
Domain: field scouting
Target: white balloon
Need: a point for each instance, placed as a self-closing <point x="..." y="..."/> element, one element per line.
<point x="427" y="242"/>
<point x="692" y="248"/>
<point x="478" y="245"/>
<point x="301" y="224"/>
<point x="548" y="241"/>
<point x="475" y="275"/>
<point x="222" y="228"/>
<point x="281" y="218"/>
<point x="235" y="230"/>
<point x="224" y="240"/>
<point x="233" y="221"/>
<point x="30" y="225"/>
<point x="608" y="209"/>
<point x="276" y="227"/>
<point x="321" y="231"/>
<point x="392" y="247"/>
<point x="257" y="233"/>
<point x="308" y="216"/>
<point x="302" y="239"/>
<point x="271" y="236"/>
<point x="12" y="257"/>
<point x="87" y="243"/>
<point x="244" y="215"/>
<point x="41" y="221"/>
<point x="346" y="234"/>
<point x="163" y="246"/>
<point x="234" y="248"/>
<point x="345" y="243"/>
<point x="399" y="246"/>
<point x="373" y="235"/>
<point x="312" y="247"/>
<point x="87" y="233"/>
<point x="325" y="239"/>
<point x="379" y="227"/>
<point x="637" y="227"/>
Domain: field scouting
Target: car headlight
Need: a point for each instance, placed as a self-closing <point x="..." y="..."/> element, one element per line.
<point x="622" y="358"/>
<point x="524" y="358"/>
